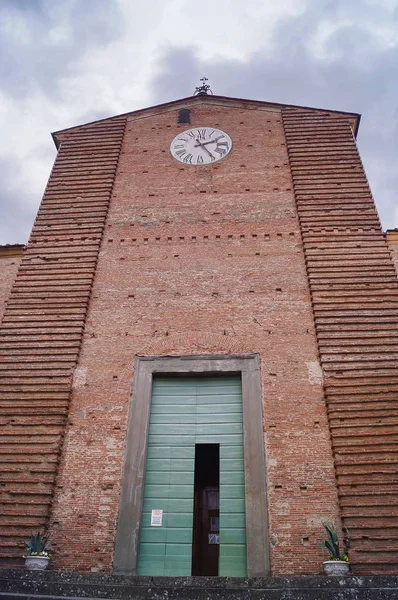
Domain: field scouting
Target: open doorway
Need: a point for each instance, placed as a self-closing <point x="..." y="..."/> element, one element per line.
<point x="206" y="516"/>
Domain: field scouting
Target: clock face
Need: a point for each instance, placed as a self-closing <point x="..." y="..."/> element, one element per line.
<point x="200" y="146"/>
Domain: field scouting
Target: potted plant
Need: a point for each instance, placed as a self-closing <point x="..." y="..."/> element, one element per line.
<point x="338" y="563"/>
<point x="37" y="557"/>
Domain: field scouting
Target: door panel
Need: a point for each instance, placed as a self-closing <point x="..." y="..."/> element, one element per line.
<point x="186" y="411"/>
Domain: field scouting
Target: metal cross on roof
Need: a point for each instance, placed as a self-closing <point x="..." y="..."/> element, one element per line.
<point x="204" y="89"/>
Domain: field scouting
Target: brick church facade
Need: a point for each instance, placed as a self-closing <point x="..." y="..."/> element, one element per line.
<point x="266" y="270"/>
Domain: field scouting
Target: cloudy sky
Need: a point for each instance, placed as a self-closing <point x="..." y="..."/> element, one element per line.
<point x="66" y="62"/>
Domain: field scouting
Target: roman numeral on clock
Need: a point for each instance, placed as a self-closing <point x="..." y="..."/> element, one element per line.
<point x="188" y="158"/>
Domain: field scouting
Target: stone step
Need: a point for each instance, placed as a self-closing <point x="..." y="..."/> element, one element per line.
<point x="21" y="584"/>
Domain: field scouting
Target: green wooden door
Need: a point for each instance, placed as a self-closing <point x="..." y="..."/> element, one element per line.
<point x="186" y="411"/>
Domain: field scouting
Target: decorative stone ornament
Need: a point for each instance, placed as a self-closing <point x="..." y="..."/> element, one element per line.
<point x="37" y="563"/>
<point x="336" y="568"/>
<point x="200" y="146"/>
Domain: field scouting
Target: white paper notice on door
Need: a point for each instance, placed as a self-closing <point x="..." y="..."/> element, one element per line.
<point x="214" y="538"/>
<point x="156" y="518"/>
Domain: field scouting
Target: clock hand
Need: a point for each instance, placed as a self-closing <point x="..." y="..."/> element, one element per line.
<point x="202" y="146"/>
<point x="204" y="143"/>
<point x="208" y="152"/>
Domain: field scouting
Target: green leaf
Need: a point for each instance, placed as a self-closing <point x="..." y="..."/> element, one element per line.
<point x="332" y="544"/>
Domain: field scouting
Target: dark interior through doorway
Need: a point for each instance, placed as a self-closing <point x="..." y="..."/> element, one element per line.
<point x="206" y="516"/>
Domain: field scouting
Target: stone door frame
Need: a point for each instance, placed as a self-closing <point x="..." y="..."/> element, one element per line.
<point x="132" y="489"/>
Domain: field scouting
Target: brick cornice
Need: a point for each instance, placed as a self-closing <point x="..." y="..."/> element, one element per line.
<point x="224" y="101"/>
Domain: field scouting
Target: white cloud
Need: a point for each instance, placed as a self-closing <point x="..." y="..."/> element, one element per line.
<point x="226" y="29"/>
<point x="73" y="62"/>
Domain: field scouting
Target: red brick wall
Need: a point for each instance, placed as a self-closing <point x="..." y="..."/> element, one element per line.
<point x="9" y="263"/>
<point x="200" y="260"/>
<point x="392" y="241"/>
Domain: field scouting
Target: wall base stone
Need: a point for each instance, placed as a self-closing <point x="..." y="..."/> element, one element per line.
<point x="24" y="585"/>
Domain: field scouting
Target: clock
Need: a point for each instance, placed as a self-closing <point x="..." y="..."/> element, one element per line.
<point x="201" y="146"/>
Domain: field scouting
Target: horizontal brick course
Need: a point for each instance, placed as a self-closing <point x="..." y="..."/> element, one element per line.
<point x="42" y="330"/>
<point x="354" y="292"/>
